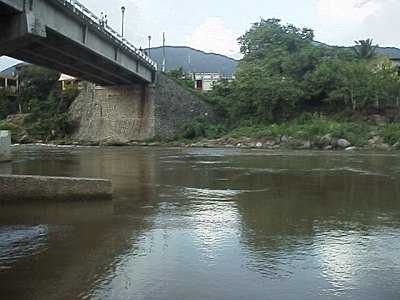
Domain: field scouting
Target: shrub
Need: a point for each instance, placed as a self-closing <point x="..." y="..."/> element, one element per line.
<point x="390" y="133"/>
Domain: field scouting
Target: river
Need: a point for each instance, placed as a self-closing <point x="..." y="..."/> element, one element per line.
<point x="194" y="224"/>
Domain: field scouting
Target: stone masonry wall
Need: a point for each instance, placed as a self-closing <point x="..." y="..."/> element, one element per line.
<point x="135" y="112"/>
<point x="175" y="107"/>
<point x="117" y="113"/>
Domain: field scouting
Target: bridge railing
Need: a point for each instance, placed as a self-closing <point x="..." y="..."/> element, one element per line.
<point x="77" y="7"/>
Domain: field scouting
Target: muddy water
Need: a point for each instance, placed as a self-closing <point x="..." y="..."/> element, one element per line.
<point x="207" y="224"/>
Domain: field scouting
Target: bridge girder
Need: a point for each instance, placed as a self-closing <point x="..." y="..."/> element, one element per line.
<point x="50" y="33"/>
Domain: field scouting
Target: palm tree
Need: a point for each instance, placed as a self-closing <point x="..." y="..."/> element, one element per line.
<point x="364" y="49"/>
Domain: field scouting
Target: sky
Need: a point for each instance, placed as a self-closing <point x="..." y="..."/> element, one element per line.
<point x="214" y="26"/>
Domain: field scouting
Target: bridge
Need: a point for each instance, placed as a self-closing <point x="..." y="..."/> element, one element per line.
<point x="65" y="36"/>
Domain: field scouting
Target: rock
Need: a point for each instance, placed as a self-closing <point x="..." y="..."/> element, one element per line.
<point x="25" y="139"/>
<point x="382" y="146"/>
<point x="396" y="146"/>
<point x="351" y="148"/>
<point x="285" y="139"/>
<point x="114" y="143"/>
<point x="380" y="120"/>
<point x="326" y="140"/>
<point x="343" y="143"/>
<point x="154" y="144"/>
<point x="376" y="140"/>
<point x="259" y="145"/>
<point x="374" y="133"/>
<point x="306" y="145"/>
<point x="270" y="143"/>
<point x="329" y="147"/>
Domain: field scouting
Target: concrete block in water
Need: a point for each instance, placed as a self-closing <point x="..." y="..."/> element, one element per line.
<point x="5" y="145"/>
<point x="27" y="188"/>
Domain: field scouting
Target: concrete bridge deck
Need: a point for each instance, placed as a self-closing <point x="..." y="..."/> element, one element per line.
<point x="65" y="36"/>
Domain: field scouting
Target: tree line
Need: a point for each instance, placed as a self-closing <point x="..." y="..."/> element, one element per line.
<point x="285" y="73"/>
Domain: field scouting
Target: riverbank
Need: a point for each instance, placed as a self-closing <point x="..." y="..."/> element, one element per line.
<point x="312" y="131"/>
<point x="283" y="142"/>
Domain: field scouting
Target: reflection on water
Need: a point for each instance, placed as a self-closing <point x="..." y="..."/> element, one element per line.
<point x="207" y="223"/>
<point x="20" y="241"/>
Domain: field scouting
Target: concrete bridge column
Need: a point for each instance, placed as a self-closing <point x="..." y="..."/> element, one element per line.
<point x="5" y="145"/>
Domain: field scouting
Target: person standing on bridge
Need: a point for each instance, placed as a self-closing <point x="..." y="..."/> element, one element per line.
<point x="105" y="19"/>
<point x="101" y="19"/>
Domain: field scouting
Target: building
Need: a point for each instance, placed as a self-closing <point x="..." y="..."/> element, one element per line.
<point x="204" y="81"/>
<point x="9" y="81"/>
<point x="9" y="84"/>
<point x="70" y="83"/>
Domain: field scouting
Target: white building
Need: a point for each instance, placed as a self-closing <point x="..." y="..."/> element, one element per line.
<point x="205" y="81"/>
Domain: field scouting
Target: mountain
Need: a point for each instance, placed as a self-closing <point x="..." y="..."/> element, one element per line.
<point x="391" y="52"/>
<point x="192" y="60"/>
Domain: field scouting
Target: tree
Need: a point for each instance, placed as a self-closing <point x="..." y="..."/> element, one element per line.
<point x="364" y="49"/>
<point x="36" y="84"/>
<point x="182" y="77"/>
<point x="268" y="35"/>
<point x="268" y="84"/>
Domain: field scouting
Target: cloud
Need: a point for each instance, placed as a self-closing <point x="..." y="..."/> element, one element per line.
<point x="384" y="26"/>
<point x="341" y="22"/>
<point x="346" y="10"/>
<point x="213" y="36"/>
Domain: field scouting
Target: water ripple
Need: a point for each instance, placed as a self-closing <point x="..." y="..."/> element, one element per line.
<point x="201" y="194"/>
<point x="17" y="242"/>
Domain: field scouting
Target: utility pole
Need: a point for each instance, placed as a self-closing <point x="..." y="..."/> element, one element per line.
<point x="163" y="53"/>
<point x="149" y="37"/>
<point x="122" y="23"/>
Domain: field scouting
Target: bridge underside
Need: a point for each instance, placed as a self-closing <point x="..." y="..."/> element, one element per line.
<point x="63" y="55"/>
<point x="51" y="35"/>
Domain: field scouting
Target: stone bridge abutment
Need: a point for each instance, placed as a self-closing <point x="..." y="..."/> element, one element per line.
<point x="135" y="112"/>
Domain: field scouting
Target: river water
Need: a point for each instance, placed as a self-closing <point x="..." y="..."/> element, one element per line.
<point x="207" y="224"/>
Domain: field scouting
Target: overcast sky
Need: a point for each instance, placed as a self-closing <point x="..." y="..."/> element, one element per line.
<point x="214" y="26"/>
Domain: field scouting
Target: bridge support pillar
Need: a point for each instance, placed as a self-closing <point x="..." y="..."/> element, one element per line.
<point x="115" y="113"/>
<point x="5" y="145"/>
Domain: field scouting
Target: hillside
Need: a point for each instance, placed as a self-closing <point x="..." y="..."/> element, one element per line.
<point x="391" y="52"/>
<point x="193" y="60"/>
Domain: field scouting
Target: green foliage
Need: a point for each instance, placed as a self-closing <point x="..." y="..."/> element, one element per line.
<point x="390" y="133"/>
<point x="364" y="49"/>
<point x="268" y="35"/>
<point x="38" y="130"/>
<point x="65" y="99"/>
<point x="43" y="105"/>
<point x="355" y="83"/>
<point x="35" y="86"/>
<point x="7" y="105"/>
<point x="284" y="73"/>
<point x="4" y="125"/>
<point x="182" y="77"/>
<point x="268" y="86"/>
<point x="199" y="128"/>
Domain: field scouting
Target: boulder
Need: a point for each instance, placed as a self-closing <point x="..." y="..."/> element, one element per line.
<point x="285" y="139"/>
<point x="25" y="139"/>
<point x="306" y="145"/>
<point x="326" y="140"/>
<point x="343" y="143"/>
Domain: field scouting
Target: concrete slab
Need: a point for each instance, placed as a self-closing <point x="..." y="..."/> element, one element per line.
<point x="28" y="188"/>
